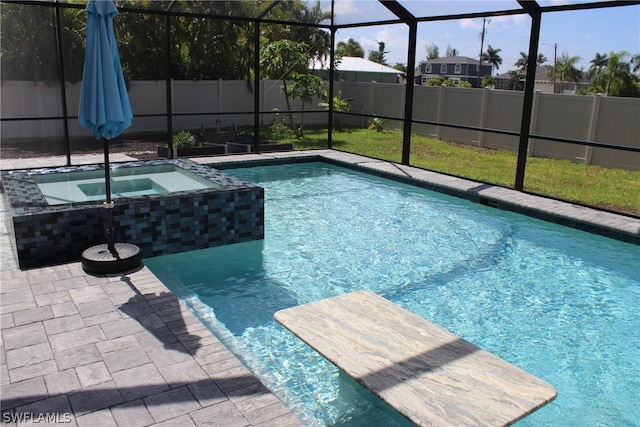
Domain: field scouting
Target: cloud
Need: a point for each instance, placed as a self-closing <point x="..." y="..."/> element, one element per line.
<point x="346" y="7"/>
<point x="472" y="24"/>
<point x="395" y="40"/>
<point x="511" y="21"/>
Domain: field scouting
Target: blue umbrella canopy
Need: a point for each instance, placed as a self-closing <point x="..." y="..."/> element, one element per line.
<point x="104" y="103"/>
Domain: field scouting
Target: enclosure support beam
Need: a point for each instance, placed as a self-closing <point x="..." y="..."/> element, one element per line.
<point x="63" y="86"/>
<point x="256" y="75"/>
<point x="408" y="18"/>
<point x="332" y="76"/>
<point x="409" y="85"/>
<point x="256" y="86"/>
<point x="168" y="86"/>
<point x="525" y="126"/>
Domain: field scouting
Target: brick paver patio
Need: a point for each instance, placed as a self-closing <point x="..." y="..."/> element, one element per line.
<point x="77" y="349"/>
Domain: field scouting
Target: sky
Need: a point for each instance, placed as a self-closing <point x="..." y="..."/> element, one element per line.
<point x="576" y="33"/>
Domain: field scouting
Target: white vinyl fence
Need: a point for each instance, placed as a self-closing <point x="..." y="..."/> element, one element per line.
<point x="608" y="120"/>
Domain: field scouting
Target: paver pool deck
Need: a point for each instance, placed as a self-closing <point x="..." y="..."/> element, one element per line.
<point x="123" y="351"/>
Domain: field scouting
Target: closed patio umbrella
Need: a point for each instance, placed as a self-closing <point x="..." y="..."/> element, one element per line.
<point x="104" y="110"/>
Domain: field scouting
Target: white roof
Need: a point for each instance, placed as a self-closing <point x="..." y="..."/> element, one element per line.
<point x="349" y="63"/>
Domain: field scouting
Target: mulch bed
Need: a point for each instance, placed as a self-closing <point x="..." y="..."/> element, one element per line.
<point x="143" y="148"/>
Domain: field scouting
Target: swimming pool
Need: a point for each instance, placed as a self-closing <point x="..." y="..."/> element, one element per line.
<point x="555" y="301"/>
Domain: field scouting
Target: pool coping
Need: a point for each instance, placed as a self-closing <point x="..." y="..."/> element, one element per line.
<point x="592" y="220"/>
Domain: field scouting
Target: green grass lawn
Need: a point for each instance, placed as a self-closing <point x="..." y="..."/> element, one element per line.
<point x="606" y="188"/>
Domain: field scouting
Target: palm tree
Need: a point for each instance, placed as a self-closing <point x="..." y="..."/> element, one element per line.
<point x="564" y="69"/>
<point x="340" y="105"/>
<point x="541" y="59"/>
<point x="492" y="56"/>
<point x="521" y="63"/>
<point x="514" y="77"/>
<point x="350" y="48"/>
<point x="635" y="61"/>
<point x="598" y="63"/>
<point x="617" y="73"/>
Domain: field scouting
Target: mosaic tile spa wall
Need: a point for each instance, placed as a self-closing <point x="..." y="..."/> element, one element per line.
<point x="231" y="212"/>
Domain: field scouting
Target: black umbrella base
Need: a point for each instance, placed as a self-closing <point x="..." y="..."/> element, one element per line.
<point x="99" y="260"/>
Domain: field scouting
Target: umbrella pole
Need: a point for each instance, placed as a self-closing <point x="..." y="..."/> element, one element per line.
<point x="113" y="257"/>
<point x="108" y="204"/>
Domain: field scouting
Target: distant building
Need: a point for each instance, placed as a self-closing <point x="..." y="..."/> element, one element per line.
<point x="456" y="68"/>
<point x="542" y="83"/>
<point x="354" y="69"/>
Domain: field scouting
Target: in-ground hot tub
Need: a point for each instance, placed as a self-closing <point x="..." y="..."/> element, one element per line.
<point x="126" y="181"/>
<point x="162" y="206"/>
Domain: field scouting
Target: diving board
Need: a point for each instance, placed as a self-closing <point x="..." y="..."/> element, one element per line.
<point x="424" y="372"/>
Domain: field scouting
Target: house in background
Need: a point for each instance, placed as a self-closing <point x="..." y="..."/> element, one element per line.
<point x="456" y="68"/>
<point x="354" y="69"/>
<point x="542" y="83"/>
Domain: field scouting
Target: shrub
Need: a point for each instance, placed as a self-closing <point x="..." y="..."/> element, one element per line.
<point x="281" y="131"/>
<point x="376" y="123"/>
<point x="184" y="139"/>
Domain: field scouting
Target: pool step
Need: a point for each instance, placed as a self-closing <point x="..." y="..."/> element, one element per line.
<point x="427" y="374"/>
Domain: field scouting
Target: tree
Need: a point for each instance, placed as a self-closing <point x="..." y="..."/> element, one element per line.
<point x="522" y="62"/>
<point x="29" y="50"/>
<point x="281" y="60"/>
<point x="200" y="47"/>
<point x="514" y="79"/>
<point x="492" y="56"/>
<point x="635" y="61"/>
<point x="432" y="51"/>
<point x="305" y="86"/>
<point x="564" y="69"/>
<point x="617" y="77"/>
<point x="378" y="56"/>
<point x="317" y="39"/>
<point x="451" y="51"/>
<point x="142" y="45"/>
<point x="595" y="72"/>
<point x="487" y="80"/>
<point x="350" y="48"/>
<point x="541" y="59"/>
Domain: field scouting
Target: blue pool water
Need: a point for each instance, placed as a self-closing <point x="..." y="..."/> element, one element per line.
<point x="559" y="303"/>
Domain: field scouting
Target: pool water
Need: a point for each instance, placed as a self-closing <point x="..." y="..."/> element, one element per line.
<point x="84" y="186"/>
<point x="557" y="302"/>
